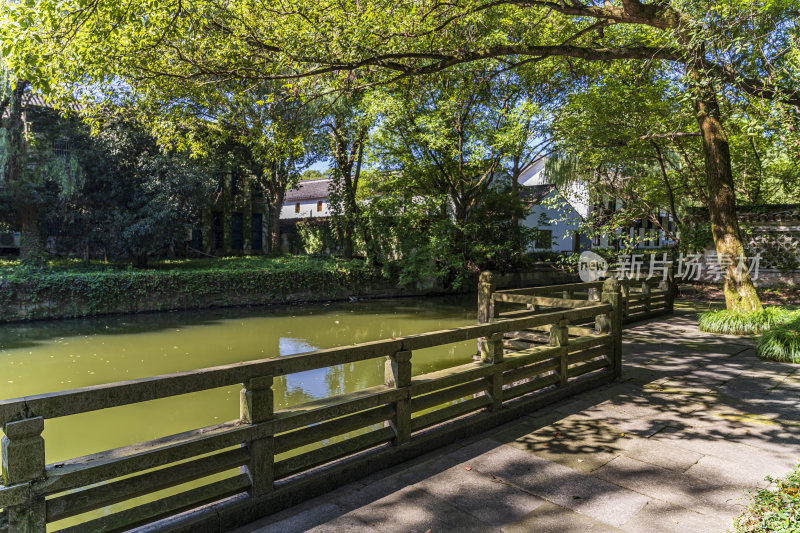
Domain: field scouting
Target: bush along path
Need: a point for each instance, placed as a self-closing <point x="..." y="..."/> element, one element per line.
<point x="60" y="292"/>
<point x="778" y="327"/>
<point x="781" y="343"/>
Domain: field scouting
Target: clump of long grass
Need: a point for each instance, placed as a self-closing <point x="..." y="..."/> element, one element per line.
<point x="731" y="322"/>
<point x="781" y="343"/>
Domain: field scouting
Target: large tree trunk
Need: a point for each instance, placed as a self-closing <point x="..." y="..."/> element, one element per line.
<point x="30" y="246"/>
<point x="515" y="173"/>
<point x="31" y="249"/>
<point x="348" y="160"/>
<point x="740" y="293"/>
<point x="275" y="224"/>
<point x="347" y="240"/>
<point x="275" y="191"/>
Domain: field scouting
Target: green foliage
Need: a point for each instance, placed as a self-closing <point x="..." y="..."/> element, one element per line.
<point x="311" y="174"/>
<point x="417" y="238"/>
<point x="315" y="237"/>
<point x="781" y="343"/>
<point x="408" y="236"/>
<point x="136" y="199"/>
<point x="731" y="322"/>
<point x="448" y="134"/>
<point x="775" y="509"/>
<point x="64" y="290"/>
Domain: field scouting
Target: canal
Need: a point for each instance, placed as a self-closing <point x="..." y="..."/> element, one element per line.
<point x="39" y="357"/>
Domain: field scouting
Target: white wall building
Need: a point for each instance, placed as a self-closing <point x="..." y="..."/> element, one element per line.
<point x="563" y="221"/>
<point x="309" y="199"/>
<point x="558" y="225"/>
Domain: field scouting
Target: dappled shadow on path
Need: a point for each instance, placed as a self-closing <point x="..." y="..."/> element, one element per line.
<point x="695" y="422"/>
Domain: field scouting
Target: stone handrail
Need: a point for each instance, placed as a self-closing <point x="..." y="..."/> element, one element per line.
<point x="642" y="297"/>
<point x="373" y="428"/>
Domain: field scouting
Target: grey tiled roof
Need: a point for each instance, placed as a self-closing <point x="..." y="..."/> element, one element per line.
<point x="318" y="189"/>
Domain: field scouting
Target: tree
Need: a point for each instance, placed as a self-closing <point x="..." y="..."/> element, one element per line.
<point x="30" y="169"/>
<point x="747" y="48"/>
<point x="446" y="136"/>
<point x="527" y="140"/>
<point x="311" y="174"/>
<point x="626" y="137"/>
<point x="347" y="123"/>
<point x="265" y="132"/>
<point x="136" y="199"/>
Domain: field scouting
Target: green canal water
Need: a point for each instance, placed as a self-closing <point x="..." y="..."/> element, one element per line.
<point x="51" y="356"/>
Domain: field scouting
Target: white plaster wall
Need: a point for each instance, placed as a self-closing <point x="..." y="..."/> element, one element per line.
<point x="563" y="230"/>
<point x="308" y="209"/>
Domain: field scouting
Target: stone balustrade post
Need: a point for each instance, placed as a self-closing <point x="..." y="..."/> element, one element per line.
<point x="613" y="296"/>
<point x="668" y="286"/>
<point x="559" y="336"/>
<point x="492" y="353"/>
<point x="646" y="295"/>
<point x="23" y="462"/>
<point x="625" y="290"/>
<point x="257" y="405"/>
<point x="397" y="373"/>
<point x="486" y="288"/>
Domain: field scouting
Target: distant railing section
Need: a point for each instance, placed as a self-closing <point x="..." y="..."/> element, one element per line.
<point x="372" y="428"/>
<point x="642" y="297"/>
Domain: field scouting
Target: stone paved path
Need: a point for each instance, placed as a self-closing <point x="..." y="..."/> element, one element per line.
<point x="696" y="422"/>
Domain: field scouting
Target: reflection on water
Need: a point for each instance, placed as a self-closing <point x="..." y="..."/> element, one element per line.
<point x="57" y="355"/>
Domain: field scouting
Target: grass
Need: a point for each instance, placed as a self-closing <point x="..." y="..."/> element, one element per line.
<point x="731" y="322"/>
<point x="778" y="327"/>
<point x="781" y="343"/>
<point x="774" y="509"/>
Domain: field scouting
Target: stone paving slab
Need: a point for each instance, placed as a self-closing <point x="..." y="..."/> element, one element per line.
<point x="695" y="422"/>
<point x="415" y="510"/>
<point x="663" y="454"/>
<point x="551" y="518"/>
<point x="662" y="517"/>
<point x="578" y="442"/>
<point x="672" y="487"/>
<point x="564" y="486"/>
<point x="486" y="497"/>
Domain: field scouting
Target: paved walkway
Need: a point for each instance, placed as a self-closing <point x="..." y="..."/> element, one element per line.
<point x="696" y="422"/>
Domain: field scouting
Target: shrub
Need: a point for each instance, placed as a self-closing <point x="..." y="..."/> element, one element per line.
<point x="773" y="509"/>
<point x="52" y="291"/>
<point x="731" y="322"/>
<point x="781" y="343"/>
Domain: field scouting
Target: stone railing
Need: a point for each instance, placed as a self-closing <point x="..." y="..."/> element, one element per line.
<point x="642" y="298"/>
<point x="271" y="459"/>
